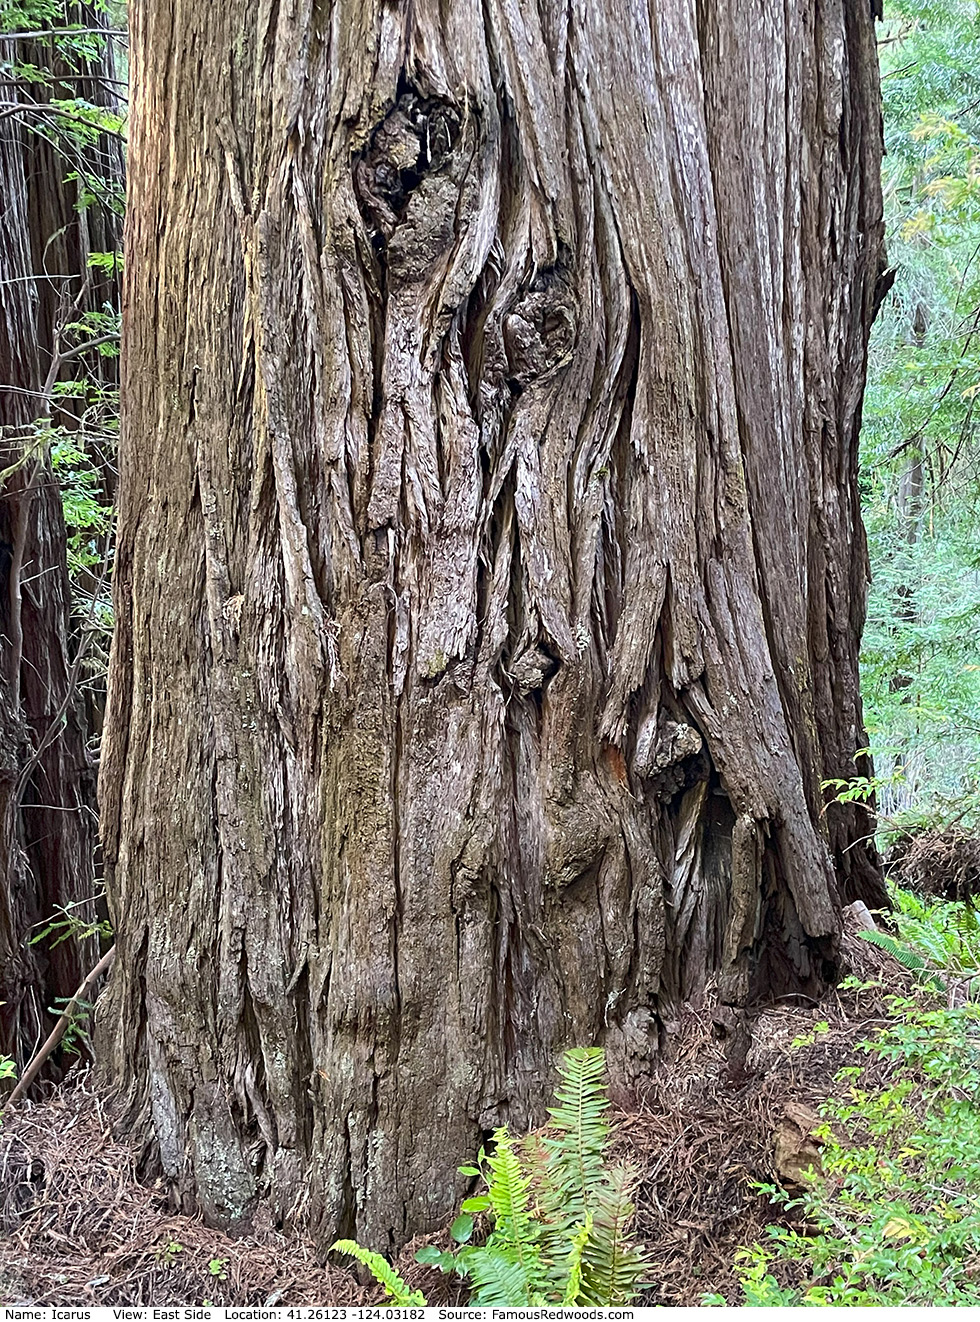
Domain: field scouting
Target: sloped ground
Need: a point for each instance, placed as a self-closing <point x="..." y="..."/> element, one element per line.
<point x="710" y="1126"/>
<point x="76" y="1227"/>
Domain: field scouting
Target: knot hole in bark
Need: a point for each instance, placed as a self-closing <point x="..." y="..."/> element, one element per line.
<point x="670" y="756"/>
<point x="539" y="330"/>
<point x="530" y="670"/>
<point x="416" y="138"/>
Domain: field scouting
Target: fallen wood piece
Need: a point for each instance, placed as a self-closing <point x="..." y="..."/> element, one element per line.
<point x="34" y="1065"/>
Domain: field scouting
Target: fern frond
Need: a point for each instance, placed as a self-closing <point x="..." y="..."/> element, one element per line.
<point x="579" y="1136"/>
<point x="611" y="1263"/>
<point x="516" y="1232"/>
<point x="907" y="957"/>
<point x="509" y="1190"/>
<point x="573" y="1263"/>
<point x="383" y="1272"/>
<point x="498" y="1277"/>
<point x="968" y="920"/>
<point x="967" y="926"/>
<point x="560" y="1222"/>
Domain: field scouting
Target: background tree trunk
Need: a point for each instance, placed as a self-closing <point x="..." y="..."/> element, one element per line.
<point x="490" y="572"/>
<point x="47" y="774"/>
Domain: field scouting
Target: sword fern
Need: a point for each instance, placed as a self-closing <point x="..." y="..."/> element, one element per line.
<point x="560" y="1217"/>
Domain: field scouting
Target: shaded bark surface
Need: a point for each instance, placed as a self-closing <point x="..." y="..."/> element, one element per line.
<point x="490" y="575"/>
<point x="47" y="775"/>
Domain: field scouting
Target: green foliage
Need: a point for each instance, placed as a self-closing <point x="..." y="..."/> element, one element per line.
<point x="79" y="425"/>
<point x="808" y="1039"/>
<point x="559" y="1216"/>
<point x="82" y="121"/>
<point x="106" y="261"/>
<point x="68" y="925"/>
<point x="920" y="454"/>
<point x="935" y="939"/>
<point x="861" y="789"/>
<point x="167" y="1253"/>
<point x="611" y="1263"/>
<point x="8" y="1069"/>
<point x="50" y="105"/>
<point x="907" y="957"/>
<point x="575" y="1147"/>
<point x="892" y="1219"/>
<point x="29" y="15"/>
<point x="76" y="1033"/>
<point x="88" y="517"/>
<point x="395" y="1288"/>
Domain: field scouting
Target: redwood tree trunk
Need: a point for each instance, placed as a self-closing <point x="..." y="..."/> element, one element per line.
<point x="490" y="575"/>
<point x="47" y="774"/>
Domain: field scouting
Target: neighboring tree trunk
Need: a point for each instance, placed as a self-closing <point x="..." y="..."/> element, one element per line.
<point x="47" y="776"/>
<point x="490" y="571"/>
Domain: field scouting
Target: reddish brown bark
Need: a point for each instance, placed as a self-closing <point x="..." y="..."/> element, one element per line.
<point x="490" y="574"/>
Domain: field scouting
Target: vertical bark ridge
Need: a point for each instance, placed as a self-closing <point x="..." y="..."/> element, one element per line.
<point x="484" y="551"/>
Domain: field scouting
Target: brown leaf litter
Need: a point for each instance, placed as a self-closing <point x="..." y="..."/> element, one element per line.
<point x="78" y="1228"/>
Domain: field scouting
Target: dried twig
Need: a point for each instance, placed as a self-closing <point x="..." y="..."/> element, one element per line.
<point x="34" y="1066"/>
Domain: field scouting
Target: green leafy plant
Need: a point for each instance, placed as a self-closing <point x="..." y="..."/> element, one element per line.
<point x="808" y="1039"/>
<point x="79" y="1013"/>
<point x="859" y="789"/>
<point x="559" y="1215"/>
<point x="21" y="14"/>
<point x="8" y="1069"/>
<point x="167" y="1254"/>
<point x="920" y="452"/>
<point x="906" y="956"/>
<point x="892" y="1219"/>
<point x="938" y="940"/>
<point x="57" y="53"/>
<point x="395" y="1288"/>
<point x="68" y="925"/>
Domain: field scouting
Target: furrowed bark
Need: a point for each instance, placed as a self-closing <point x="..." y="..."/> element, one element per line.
<point x="490" y="574"/>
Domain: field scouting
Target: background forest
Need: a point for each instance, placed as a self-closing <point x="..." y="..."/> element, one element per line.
<point x="64" y="81"/>
<point x="920" y="475"/>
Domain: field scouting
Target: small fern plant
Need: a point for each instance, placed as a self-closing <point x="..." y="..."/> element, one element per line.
<point x="937" y="942"/>
<point x="560" y="1217"/>
<point x="396" y="1291"/>
<point x="910" y="959"/>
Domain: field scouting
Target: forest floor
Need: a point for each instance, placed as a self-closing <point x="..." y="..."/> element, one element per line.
<point x="735" y="1106"/>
